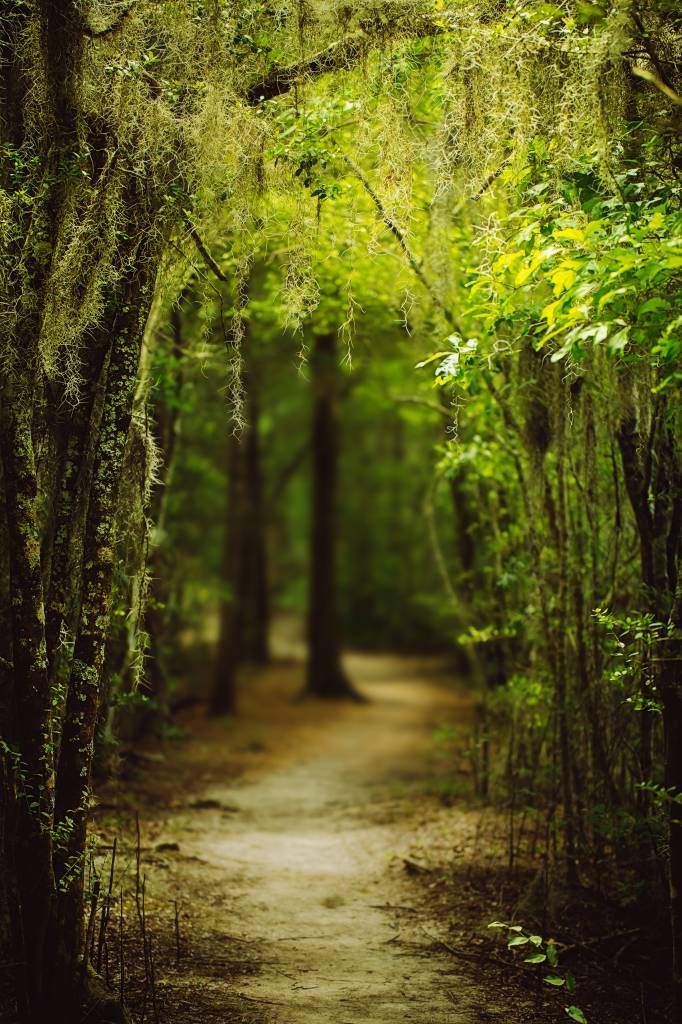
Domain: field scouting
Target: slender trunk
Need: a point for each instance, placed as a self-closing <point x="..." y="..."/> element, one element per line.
<point x="325" y="676"/>
<point x="652" y="470"/>
<point x="235" y="569"/>
<point x="562" y="693"/>
<point x="166" y="415"/>
<point x="670" y="685"/>
<point x="244" y="609"/>
<point x="259" y="601"/>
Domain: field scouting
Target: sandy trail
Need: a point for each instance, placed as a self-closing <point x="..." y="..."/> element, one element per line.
<point x="293" y="868"/>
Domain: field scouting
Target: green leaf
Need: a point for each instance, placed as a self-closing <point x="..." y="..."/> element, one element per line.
<point x="536" y="939"/>
<point x="576" y="1014"/>
<point x="552" y="954"/>
<point x="420" y="366"/>
<point x="618" y="341"/>
<point x="536" y="958"/>
<point x="550" y="311"/>
<point x="652" y="305"/>
<point x="554" y="979"/>
<point x="518" y="940"/>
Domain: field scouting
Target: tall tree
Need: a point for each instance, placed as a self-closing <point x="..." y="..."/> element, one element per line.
<point x="325" y="676"/>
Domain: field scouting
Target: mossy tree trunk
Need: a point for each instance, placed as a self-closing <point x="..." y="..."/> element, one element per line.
<point x="166" y="414"/>
<point x="80" y="719"/>
<point x="27" y="741"/>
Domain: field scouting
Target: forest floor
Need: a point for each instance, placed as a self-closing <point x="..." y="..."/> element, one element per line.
<point x="309" y="862"/>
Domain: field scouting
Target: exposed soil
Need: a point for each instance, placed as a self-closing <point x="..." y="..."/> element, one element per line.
<point x="304" y="845"/>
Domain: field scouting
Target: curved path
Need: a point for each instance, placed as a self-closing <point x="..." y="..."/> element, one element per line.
<point x="296" y="901"/>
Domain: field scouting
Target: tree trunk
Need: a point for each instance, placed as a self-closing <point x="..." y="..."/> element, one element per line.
<point x="258" y="642"/>
<point x="29" y="771"/>
<point x="670" y="686"/>
<point x="166" y="416"/>
<point x="561" y="657"/>
<point x="76" y="427"/>
<point x="233" y="603"/>
<point x="75" y="760"/>
<point x="652" y="469"/>
<point x="244" y="608"/>
<point x="324" y="676"/>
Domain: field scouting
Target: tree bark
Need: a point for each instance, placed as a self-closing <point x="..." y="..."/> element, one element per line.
<point x="167" y="417"/>
<point x="258" y="641"/>
<point x="28" y="747"/>
<point x="235" y="568"/>
<point x="75" y="760"/>
<point x="244" y="606"/>
<point x="325" y="676"/>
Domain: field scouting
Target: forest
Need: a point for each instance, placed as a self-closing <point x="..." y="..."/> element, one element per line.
<point x="340" y="511"/>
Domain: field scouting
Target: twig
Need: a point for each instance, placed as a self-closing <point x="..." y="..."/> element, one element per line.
<point x="391" y="906"/>
<point x="442" y="410"/>
<point x="598" y="940"/>
<point x="413" y="867"/>
<point x="106" y="909"/>
<point x="152" y="980"/>
<point x="401" y="238"/>
<point x="178" y="948"/>
<point x="204" y="251"/>
<point x="451" y="949"/>
<point x="252" y="999"/>
<point x="90" y="930"/>
<point x="658" y="82"/>
<point x="121" y="949"/>
<point x="660" y="79"/>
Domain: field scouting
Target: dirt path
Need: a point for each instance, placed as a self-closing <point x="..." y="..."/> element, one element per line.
<point x="297" y="905"/>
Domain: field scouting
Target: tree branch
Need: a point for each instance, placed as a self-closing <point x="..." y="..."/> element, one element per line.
<point x="401" y="238"/>
<point x="659" y="84"/>
<point x="205" y="252"/>
<point x="660" y="79"/>
<point x="115" y="25"/>
<point x="343" y="54"/>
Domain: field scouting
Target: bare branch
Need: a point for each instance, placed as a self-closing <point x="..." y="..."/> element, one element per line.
<point x="648" y="44"/>
<point x="205" y="252"/>
<point x="658" y="82"/>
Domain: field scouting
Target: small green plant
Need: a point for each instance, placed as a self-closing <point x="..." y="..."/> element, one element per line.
<point x="543" y="954"/>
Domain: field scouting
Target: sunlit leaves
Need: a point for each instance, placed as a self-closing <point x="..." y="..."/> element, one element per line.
<point x="606" y="273"/>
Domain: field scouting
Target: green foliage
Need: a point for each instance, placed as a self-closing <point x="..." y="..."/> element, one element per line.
<point x="542" y="953"/>
<point x="630" y="641"/>
<point x="303" y="141"/>
<point x="589" y="267"/>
